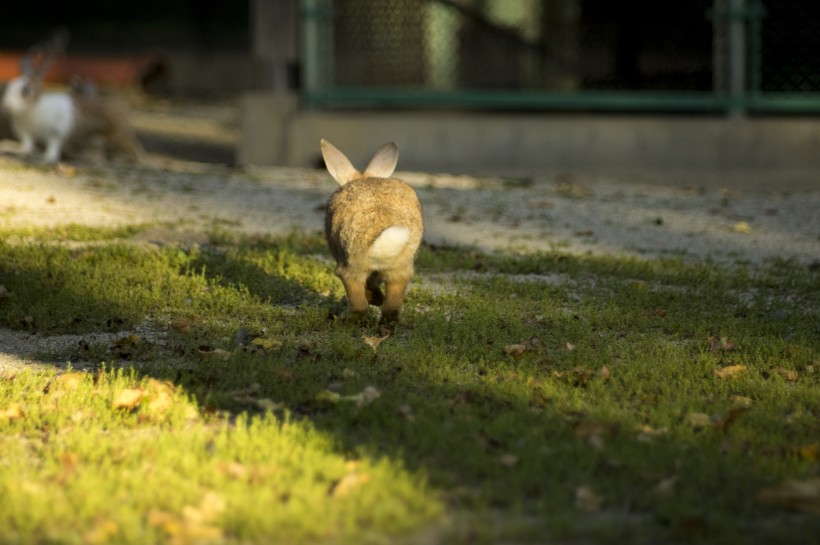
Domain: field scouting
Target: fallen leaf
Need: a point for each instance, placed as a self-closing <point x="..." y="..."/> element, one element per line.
<point x="233" y="469"/>
<point x="741" y="401"/>
<point x="786" y="374"/>
<point x="794" y="494"/>
<point x="517" y="350"/>
<point x="810" y="453"/>
<point x="587" y="500"/>
<point x="407" y="412"/>
<point x="373" y="342"/>
<point x="570" y="346"/>
<point x="328" y="396"/>
<point x="209" y="353"/>
<point x="647" y="432"/>
<point x="742" y="227"/>
<point x="181" y="324"/>
<point x="102" y="532"/>
<point x="699" y="420"/>
<point x="160" y="402"/>
<point x="508" y="460"/>
<point x="365" y="397"/>
<point x="128" y="398"/>
<point x="348" y="484"/>
<point x="729" y="371"/>
<point x="269" y="405"/>
<point x="266" y="345"/>
<point x="666" y="485"/>
<point x="573" y="190"/>
<point x="12" y="412"/>
<point x="721" y="344"/>
<point x="70" y="381"/>
<point x="68" y="171"/>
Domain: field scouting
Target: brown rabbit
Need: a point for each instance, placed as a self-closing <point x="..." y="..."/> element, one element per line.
<point x="373" y="227"/>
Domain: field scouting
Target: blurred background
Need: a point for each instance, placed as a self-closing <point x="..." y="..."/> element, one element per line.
<point x="461" y="85"/>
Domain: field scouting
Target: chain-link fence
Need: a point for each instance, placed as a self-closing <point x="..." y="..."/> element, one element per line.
<point x="631" y="54"/>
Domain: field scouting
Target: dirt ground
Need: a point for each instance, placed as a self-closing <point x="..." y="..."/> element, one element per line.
<point x="188" y="180"/>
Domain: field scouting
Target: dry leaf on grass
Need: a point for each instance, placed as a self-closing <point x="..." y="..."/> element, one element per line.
<point x="12" y="412"/>
<point x="730" y="371"/>
<point x="721" y="344"/>
<point x="128" y="398"/>
<point x="209" y="353"/>
<point x="794" y="494"/>
<point x="182" y="324"/>
<point x="587" y="500"/>
<point x="699" y="420"/>
<point x="348" y="484"/>
<point x="508" y="460"/>
<point x="517" y="350"/>
<point x="266" y="345"/>
<point x="742" y="227"/>
<point x="788" y="375"/>
<point x="810" y="453"/>
<point x="373" y="342"/>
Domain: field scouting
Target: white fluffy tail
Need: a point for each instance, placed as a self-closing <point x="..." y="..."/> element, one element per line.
<point x="389" y="244"/>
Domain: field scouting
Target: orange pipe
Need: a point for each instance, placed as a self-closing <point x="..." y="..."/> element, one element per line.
<point x="104" y="70"/>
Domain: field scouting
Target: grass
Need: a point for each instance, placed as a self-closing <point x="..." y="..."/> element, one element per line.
<point x="524" y="398"/>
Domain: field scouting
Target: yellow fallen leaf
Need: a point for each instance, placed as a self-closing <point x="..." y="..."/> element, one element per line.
<point x="741" y="401"/>
<point x="161" y="401"/>
<point x="373" y="342"/>
<point x="742" y="227"/>
<point x="730" y="371"/>
<point x="786" y="374"/>
<point x="810" y="452"/>
<point x="794" y="494"/>
<point x="128" y="398"/>
<point x="233" y="469"/>
<point x="12" y="412"/>
<point x="67" y="171"/>
<point x="208" y="353"/>
<point x="327" y="395"/>
<point x="515" y="350"/>
<point x="269" y="405"/>
<point x="348" y="484"/>
<point x="102" y="532"/>
<point x="70" y="381"/>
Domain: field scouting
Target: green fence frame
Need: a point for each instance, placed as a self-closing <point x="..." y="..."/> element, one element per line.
<point x="743" y="96"/>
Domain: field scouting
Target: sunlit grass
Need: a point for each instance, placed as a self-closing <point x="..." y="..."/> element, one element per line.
<point x="524" y="397"/>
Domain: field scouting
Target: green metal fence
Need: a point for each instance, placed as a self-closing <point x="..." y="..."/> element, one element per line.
<point x="755" y="56"/>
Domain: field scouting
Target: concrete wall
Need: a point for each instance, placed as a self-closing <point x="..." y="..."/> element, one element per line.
<point x="276" y="131"/>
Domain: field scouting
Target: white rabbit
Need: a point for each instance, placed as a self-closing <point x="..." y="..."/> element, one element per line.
<point x="373" y="227"/>
<point x="51" y="118"/>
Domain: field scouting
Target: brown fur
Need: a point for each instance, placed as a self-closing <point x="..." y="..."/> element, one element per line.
<point x="357" y="214"/>
<point x="106" y="117"/>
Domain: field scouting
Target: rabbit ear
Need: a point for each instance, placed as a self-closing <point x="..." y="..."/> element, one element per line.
<point x="46" y="53"/>
<point x="384" y="162"/>
<point x="338" y="165"/>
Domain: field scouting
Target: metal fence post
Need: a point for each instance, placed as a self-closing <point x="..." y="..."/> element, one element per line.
<point x="737" y="57"/>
